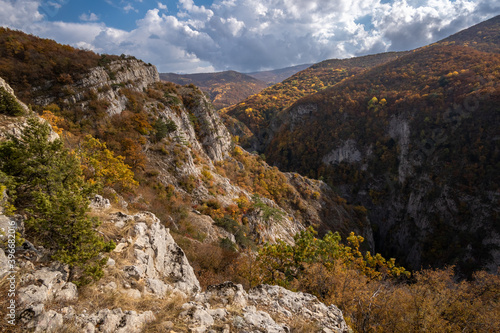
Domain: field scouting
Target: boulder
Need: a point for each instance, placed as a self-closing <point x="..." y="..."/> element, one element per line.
<point x="49" y="322"/>
<point x="98" y="203"/>
<point x="158" y="257"/>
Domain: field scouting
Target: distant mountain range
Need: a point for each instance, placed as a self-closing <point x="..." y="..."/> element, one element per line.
<point x="278" y="75"/>
<point x="230" y="87"/>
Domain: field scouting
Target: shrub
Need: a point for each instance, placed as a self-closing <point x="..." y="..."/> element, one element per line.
<point x="103" y="167"/>
<point x="163" y="128"/>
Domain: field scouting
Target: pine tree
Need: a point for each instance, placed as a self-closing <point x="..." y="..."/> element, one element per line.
<point x="50" y="190"/>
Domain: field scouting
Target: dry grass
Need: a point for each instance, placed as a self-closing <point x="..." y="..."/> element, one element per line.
<point x="298" y="325"/>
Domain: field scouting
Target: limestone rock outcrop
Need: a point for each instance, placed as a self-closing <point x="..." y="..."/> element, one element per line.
<point x="48" y="302"/>
<point x="156" y="256"/>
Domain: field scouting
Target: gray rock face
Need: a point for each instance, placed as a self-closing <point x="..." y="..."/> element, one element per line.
<point x="6" y="86"/>
<point x="291" y="304"/>
<point x="263" y="309"/>
<point x="157" y="257"/>
<point x="214" y="136"/>
<point x="399" y="129"/>
<point x="130" y="73"/>
<point x="346" y="152"/>
<point x="162" y="269"/>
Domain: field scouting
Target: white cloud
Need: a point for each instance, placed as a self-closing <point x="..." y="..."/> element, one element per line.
<point x="91" y="17"/>
<point x="129" y="8"/>
<point x="19" y="14"/>
<point x="260" y="34"/>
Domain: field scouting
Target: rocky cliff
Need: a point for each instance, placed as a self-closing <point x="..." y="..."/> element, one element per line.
<point x="197" y="164"/>
<point x="105" y="82"/>
<point x="198" y="156"/>
<point x="150" y="286"/>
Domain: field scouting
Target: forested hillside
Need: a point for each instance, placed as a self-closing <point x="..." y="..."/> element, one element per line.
<point x="251" y="118"/>
<point x="483" y="36"/>
<point x="415" y="142"/>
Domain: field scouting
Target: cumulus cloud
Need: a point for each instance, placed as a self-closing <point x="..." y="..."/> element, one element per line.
<point x="263" y="34"/>
<point x="88" y="17"/>
<point x="19" y="14"/>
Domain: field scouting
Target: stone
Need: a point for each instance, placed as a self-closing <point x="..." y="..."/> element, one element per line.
<point x="218" y="314"/>
<point x="286" y="303"/>
<point x="33" y="294"/>
<point x="111" y="262"/>
<point x="10" y="224"/>
<point x="262" y="320"/>
<point x="134" y="272"/>
<point x="4" y="264"/>
<point x="157" y="287"/>
<point x="132" y="293"/>
<point x="68" y="292"/>
<point x="99" y="203"/>
<point x="119" y="248"/>
<point x="203" y="317"/>
<point x="134" y="323"/>
<point x="110" y="286"/>
<point x="225" y="293"/>
<point x="49" y="322"/>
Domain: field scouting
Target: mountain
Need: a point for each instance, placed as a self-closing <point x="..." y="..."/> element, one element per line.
<point x="414" y="141"/>
<point x="218" y="200"/>
<point x="230" y="87"/>
<point x="277" y="75"/>
<point x="182" y="207"/>
<point x="223" y="88"/>
<point x="483" y="36"/>
<point x="250" y="119"/>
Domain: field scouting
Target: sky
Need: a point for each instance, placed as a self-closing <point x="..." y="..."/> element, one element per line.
<point x="191" y="36"/>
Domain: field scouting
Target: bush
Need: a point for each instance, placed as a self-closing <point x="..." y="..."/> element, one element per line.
<point x="163" y="128"/>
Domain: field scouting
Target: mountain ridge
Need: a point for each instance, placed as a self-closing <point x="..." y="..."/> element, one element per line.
<point x="278" y="75"/>
<point x="389" y="115"/>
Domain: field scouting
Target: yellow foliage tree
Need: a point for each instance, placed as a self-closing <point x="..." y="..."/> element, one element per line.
<point x="101" y="167"/>
<point x="53" y="121"/>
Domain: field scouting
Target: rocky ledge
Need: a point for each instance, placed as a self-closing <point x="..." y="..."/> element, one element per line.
<point x="148" y="265"/>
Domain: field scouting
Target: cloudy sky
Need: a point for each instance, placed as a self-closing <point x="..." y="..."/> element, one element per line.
<point x="188" y="36"/>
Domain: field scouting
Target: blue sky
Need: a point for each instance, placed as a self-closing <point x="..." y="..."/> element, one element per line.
<point x="115" y="13"/>
<point x="187" y="36"/>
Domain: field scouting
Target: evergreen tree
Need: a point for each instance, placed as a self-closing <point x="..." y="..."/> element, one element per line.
<point x="9" y="104"/>
<point x="50" y="190"/>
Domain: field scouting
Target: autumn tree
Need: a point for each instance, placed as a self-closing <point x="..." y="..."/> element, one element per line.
<point x="102" y="167"/>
